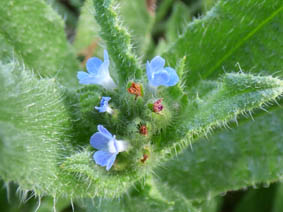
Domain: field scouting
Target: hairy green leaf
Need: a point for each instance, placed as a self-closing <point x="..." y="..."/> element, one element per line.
<point x="38" y="38"/>
<point x="104" y="184"/>
<point x="34" y="130"/>
<point x="118" y="41"/>
<point x="242" y="32"/>
<point x="39" y="134"/>
<point x="222" y="102"/>
<point x="148" y="197"/>
<point x="230" y="160"/>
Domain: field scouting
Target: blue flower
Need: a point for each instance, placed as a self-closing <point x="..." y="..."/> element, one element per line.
<point x="98" y="73"/>
<point x="108" y="147"/>
<point x="104" y="107"/>
<point x="158" y="75"/>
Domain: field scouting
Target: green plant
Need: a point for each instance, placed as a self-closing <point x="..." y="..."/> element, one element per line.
<point x="229" y="63"/>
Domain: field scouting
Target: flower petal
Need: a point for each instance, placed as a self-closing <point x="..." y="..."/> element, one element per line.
<point x="105" y="100"/>
<point x="157" y="63"/>
<point x="87" y="79"/>
<point x="106" y="57"/>
<point x="82" y="76"/>
<point x="173" y="77"/>
<point x="111" y="162"/>
<point x="148" y="71"/>
<point x="104" y="71"/>
<point x="103" y="104"/>
<point x="104" y="131"/>
<point x="103" y="158"/>
<point x="99" y="141"/>
<point x="101" y="109"/>
<point x="160" y="78"/>
<point x="93" y="64"/>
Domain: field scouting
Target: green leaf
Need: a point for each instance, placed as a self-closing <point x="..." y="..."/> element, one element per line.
<point x="236" y="94"/>
<point x="230" y="160"/>
<point x="118" y="41"/>
<point x="38" y="38"/>
<point x="233" y="32"/>
<point x="146" y="197"/>
<point x="111" y="184"/>
<point x="6" y="50"/>
<point x="35" y="130"/>
<point x="40" y="132"/>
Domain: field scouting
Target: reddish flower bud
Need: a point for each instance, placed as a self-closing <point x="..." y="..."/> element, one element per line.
<point x="143" y="130"/>
<point x="145" y="157"/>
<point x="157" y="106"/>
<point x="135" y="89"/>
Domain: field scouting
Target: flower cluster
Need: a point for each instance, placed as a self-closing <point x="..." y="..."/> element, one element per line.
<point x="98" y="73"/>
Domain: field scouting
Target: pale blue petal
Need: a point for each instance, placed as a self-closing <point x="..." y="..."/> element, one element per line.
<point x="82" y="76"/>
<point x="157" y="63"/>
<point x="106" y="57"/>
<point x="148" y="71"/>
<point x="111" y="162"/>
<point x="104" y="131"/>
<point x="104" y="69"/>
<point x="105" y="99"/>
<point x="160" y="78"/>
<point x="102" y="158"/>
<point x="99" y="141"/>
<point x="85" y="78"/>
<point x="93" y="64"/>
<point x="173" y="77"/>
<point x="101" y="109"/>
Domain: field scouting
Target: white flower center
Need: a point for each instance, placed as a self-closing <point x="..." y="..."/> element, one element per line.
<point x="111" y="146"/>
<point x="116" y="146"/>
<point x="122" y="145"/>
<point x="107" y="82"/>
<point x="109" y="110"/>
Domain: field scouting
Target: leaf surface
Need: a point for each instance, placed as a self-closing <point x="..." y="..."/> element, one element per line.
<point x="248" y="33"/>
<point x="39" y="39"/>
<point x="230" y="160"/>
